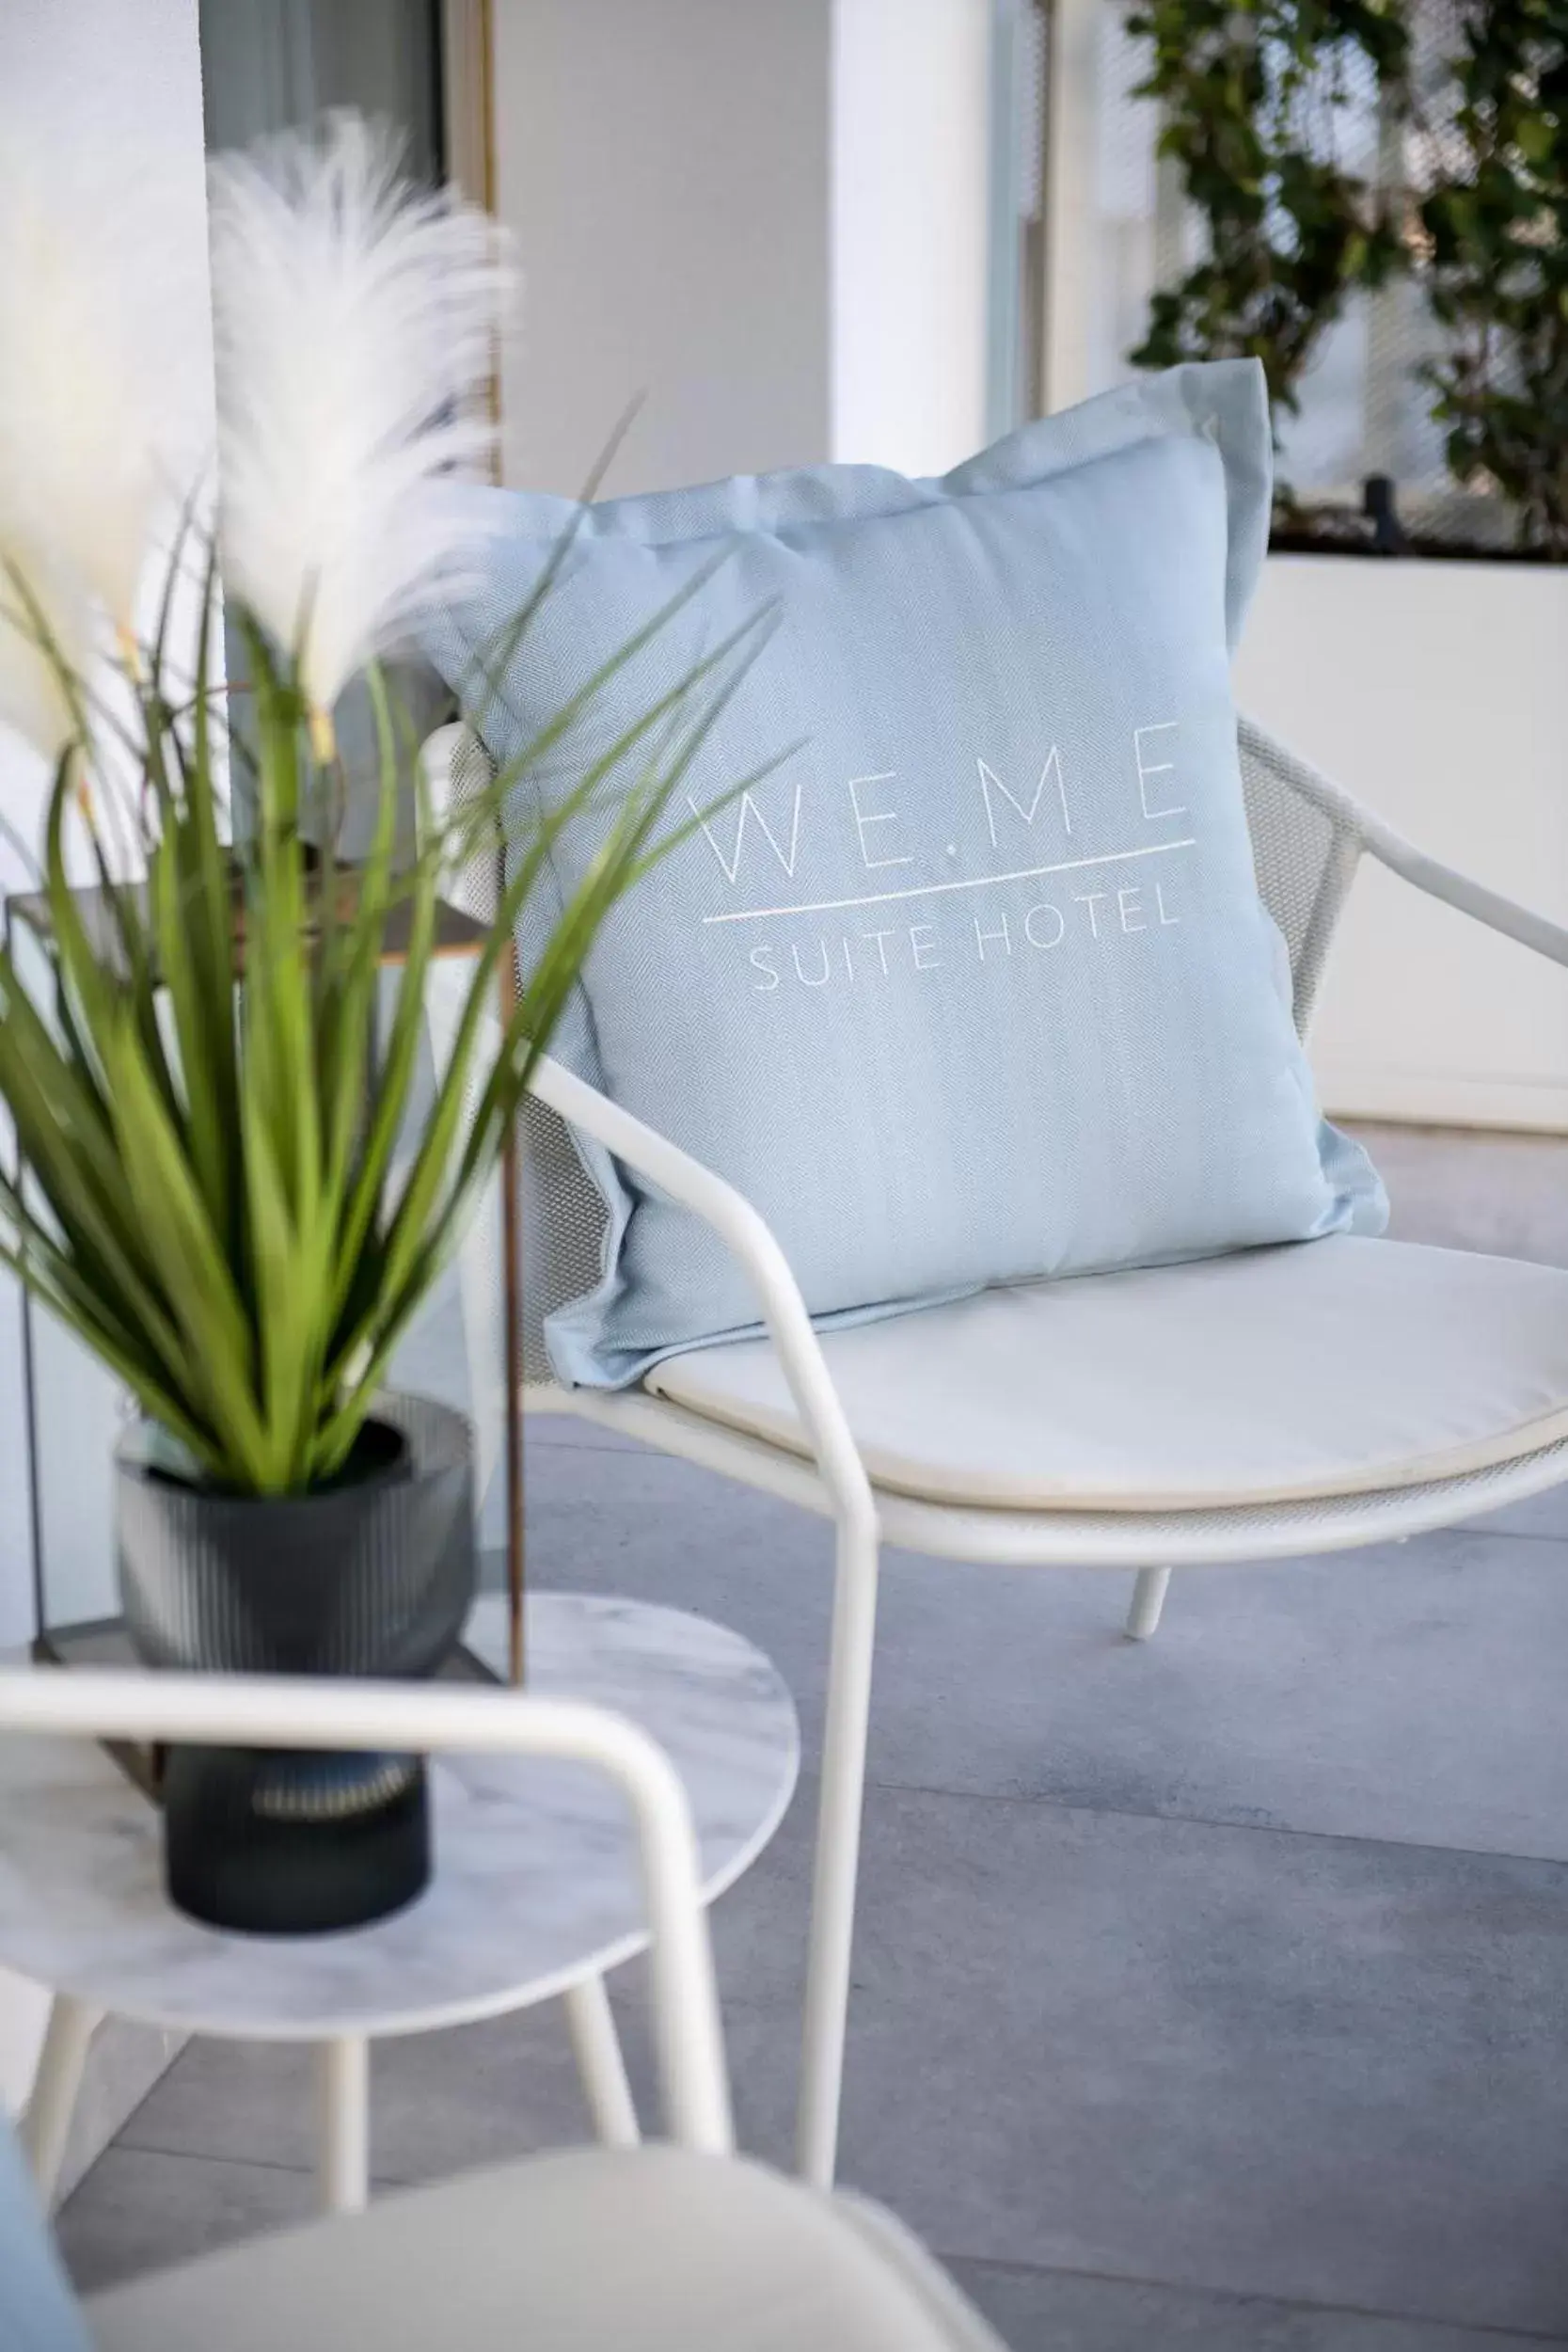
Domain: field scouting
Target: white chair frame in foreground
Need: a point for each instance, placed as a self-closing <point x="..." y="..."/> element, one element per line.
<point x="84" y="1703"/>
<point x="833" y="1482"/>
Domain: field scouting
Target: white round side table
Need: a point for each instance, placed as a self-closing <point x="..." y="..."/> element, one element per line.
<point x="535" y="1891"/>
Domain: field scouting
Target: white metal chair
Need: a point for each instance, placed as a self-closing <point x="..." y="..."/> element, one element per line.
<point x="631" y="2249"/>
<point x="1297" y="1400"/>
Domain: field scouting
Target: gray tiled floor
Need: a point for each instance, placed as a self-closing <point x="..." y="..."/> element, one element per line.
<point x="1211" y="1993"/>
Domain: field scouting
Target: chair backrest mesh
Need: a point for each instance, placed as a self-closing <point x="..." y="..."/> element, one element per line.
<point x="473" y="772"/>
<point x="1305" y="848"/>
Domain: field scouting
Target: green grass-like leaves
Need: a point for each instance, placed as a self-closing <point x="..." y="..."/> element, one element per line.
<point x="232" y="1193"/>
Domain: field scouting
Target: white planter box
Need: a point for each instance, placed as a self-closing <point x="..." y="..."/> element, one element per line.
<point x="1438" y="692"/>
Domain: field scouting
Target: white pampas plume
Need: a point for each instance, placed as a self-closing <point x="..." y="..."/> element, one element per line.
<point x="355" y="318"/>
<point x="81" y="416"/>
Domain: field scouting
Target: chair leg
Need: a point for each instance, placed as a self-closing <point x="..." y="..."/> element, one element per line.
<point x="342" y="2123"/>
<point x="1149" y="1599"/>
<point x="837" y="1862"/>
<point x="596" y="2047"/>
<point x="46" y="2124"/>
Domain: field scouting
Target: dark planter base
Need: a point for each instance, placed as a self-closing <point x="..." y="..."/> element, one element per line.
<point x="371" y="1576"/>
<point x="290" y="1842"/>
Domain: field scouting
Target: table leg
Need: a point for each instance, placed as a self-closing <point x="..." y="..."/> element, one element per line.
<point x="596" y="2047"/>
<point x="47" y="2121"/>
<point x="512" y="1328"/>
<point x="344" y="2101"/>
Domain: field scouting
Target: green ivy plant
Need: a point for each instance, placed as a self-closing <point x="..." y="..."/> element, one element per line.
<point x="1498" y="271"/>
<point x="1290" y="233"/>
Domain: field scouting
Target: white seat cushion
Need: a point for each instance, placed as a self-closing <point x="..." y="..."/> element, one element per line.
<point x="1333" y="1367"/>
<point x="652" y="2250"/>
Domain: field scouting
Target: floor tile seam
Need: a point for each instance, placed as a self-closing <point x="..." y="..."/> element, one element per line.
<point x="122" y="2145"/>
<point x="119" y="2145"/>
<point x="1195" y="1821"/>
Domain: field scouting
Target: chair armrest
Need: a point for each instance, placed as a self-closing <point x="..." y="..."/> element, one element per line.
<point x="1352" y="823"/>
<point x="311" y="1712"/>
<point x="748" y="1238"/>
<point x="1472" y="897"/>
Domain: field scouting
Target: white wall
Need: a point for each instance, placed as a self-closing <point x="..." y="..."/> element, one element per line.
<point x="1438" y="692"/>
<point x="909" y="264"/>
<point x="768" y="218"/>
<point x="104" y="84"/>
<point x="663" y="164"/>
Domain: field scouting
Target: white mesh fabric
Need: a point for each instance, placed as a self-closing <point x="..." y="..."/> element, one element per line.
<point x="473" y="772"/>
<point x="563" y="1226"/>
<point x="1305" y="848"/>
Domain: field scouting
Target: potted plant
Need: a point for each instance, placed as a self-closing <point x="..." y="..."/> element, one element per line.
<point x="226" y="1183"/>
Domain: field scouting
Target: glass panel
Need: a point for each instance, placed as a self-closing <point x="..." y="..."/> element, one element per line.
<point x="270" y="65"/>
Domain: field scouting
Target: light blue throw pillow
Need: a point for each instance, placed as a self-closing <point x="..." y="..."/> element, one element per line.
<point x="37" y="2312"/>
<point x="977" y="986"/>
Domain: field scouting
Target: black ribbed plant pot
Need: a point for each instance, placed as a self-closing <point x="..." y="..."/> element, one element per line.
<point x="371" y="1576"/>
